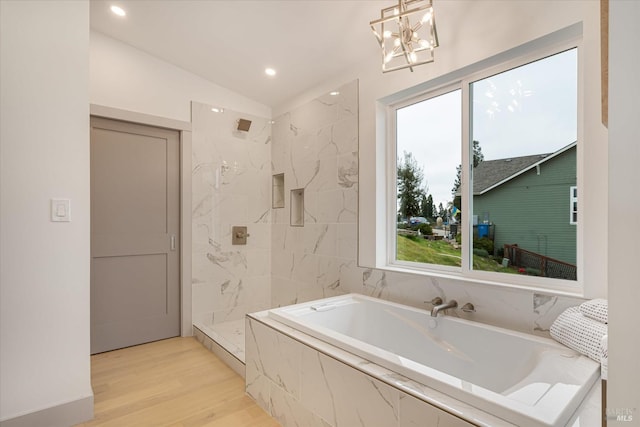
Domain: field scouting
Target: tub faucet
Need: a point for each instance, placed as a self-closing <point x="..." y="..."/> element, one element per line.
<point x="438" y="308"/>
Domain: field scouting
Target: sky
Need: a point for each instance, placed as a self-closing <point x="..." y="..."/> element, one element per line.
<point x="527" y="110"/>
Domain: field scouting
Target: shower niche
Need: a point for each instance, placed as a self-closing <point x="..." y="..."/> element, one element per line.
<point x="297" y="208"/>
<point x="277" y="191"/>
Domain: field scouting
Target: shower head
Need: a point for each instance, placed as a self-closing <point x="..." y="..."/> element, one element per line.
<point x="244" y="125"/>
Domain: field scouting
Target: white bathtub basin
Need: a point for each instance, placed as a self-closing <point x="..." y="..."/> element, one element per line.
<point x="524" y="379"/>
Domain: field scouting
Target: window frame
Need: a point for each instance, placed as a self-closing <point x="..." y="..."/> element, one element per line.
<point x="573" y="201"/>
<point x="463" y="81"/>
<point x="392" y="183"/>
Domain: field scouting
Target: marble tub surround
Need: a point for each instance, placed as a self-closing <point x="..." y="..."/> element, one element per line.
<point x="317" y="384"/>
<point x="303" y="381"/>
<point x="231" y="185"/>
<point x="524" y="379"/>
<point x="517" y="309"/>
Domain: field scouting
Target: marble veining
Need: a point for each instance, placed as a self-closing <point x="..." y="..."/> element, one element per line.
<point x="325" y="373"/>
<point x="315" y="146"/>
<point x="231" y="185"/>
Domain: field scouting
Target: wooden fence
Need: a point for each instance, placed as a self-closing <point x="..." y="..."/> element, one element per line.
<point x="548" y="267"/>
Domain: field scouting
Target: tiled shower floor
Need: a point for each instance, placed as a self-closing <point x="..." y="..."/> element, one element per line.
<point x="229" y="335"/>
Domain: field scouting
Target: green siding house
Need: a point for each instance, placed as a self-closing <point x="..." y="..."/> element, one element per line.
<point x="529" y="201"/>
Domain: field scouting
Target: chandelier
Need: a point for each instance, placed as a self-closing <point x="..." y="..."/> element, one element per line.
<point x="407" y="34"/>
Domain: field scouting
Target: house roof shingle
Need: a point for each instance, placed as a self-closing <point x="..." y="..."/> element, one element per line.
<point x="490" y="173"/>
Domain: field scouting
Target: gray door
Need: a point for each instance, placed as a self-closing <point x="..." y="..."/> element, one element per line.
<point x="135" y="182"/>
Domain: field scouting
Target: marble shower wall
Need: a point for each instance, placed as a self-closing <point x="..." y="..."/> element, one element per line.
<point x="231" y="185"/>
<point x="316" y="147"/>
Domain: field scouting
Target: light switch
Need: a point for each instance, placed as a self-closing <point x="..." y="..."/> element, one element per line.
<point x="60" y="210"/>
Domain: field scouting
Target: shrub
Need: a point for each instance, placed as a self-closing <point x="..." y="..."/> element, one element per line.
<point x="459" y="239"/>
<point x="500" y="253"/>
<point x="425" y="229"/>
<point x="483" y="243"/>
<point x="402" y="225"/>
<point x="481" y="252"/>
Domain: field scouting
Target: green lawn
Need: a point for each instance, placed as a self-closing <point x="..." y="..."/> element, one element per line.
<point x="418" y="249"/>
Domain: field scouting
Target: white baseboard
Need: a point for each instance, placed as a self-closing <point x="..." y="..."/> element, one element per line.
<point x="65" y="415"/>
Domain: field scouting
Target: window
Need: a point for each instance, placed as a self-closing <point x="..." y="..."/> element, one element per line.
<point x="428" y="146"/>
<point x="573" y="205"/>
<point x="490" y="201"/>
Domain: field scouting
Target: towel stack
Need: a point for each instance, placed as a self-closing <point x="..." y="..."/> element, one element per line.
<point x="604" y="357"/>
<point x="583" y="328"/>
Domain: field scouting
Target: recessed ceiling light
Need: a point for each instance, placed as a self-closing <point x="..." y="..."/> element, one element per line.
<point x="334" y="93"/>
<point x="217" y="110"/>
<point x="118" y="10"/>
<point x="270" y="72"/>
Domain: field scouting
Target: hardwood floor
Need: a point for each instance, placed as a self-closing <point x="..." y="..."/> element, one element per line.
<point x="175" y="382"/>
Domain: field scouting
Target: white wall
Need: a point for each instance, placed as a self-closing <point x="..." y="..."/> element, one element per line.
<point x="470" y="31"/>
<point x="624" y="196"/>
<point x="127" y="78"/>
<point x="44" y="149"/>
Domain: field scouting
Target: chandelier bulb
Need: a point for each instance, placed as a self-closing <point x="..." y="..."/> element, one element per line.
<point x="427" y="16"/>
<point x="388" y="57"/>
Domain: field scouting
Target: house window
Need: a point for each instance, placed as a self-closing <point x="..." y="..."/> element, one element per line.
<point x="573" y="205"/>
<point x="482" y="166"/>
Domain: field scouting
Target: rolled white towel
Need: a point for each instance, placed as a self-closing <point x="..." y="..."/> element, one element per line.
<point x="604" y="356"/>
<point x="596" y="309"/>
<point x="578" y="332"/>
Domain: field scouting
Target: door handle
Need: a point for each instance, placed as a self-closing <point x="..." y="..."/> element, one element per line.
<point x="173" y="242"/>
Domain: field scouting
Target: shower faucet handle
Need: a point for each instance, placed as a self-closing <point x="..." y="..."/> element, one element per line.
<point x="242" y="234"/>
<point x="239" y="235"/>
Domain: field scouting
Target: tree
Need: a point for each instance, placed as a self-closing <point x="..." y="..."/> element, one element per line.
<point x="458" y="182"/>
<point x="410" y="186"/>
<point x="426" y="206"/>
<point x="441" y="212"/>
<point x="478" y="157"/>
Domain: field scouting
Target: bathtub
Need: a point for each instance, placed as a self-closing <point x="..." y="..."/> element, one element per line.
<point x="523" y="379"/>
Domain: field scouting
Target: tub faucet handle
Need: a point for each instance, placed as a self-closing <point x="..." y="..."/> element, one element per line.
<point x="468" y="308"/>
<point x="435" y="301"/>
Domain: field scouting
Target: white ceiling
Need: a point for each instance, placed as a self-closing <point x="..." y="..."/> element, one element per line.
<point x="230" y="43"/>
